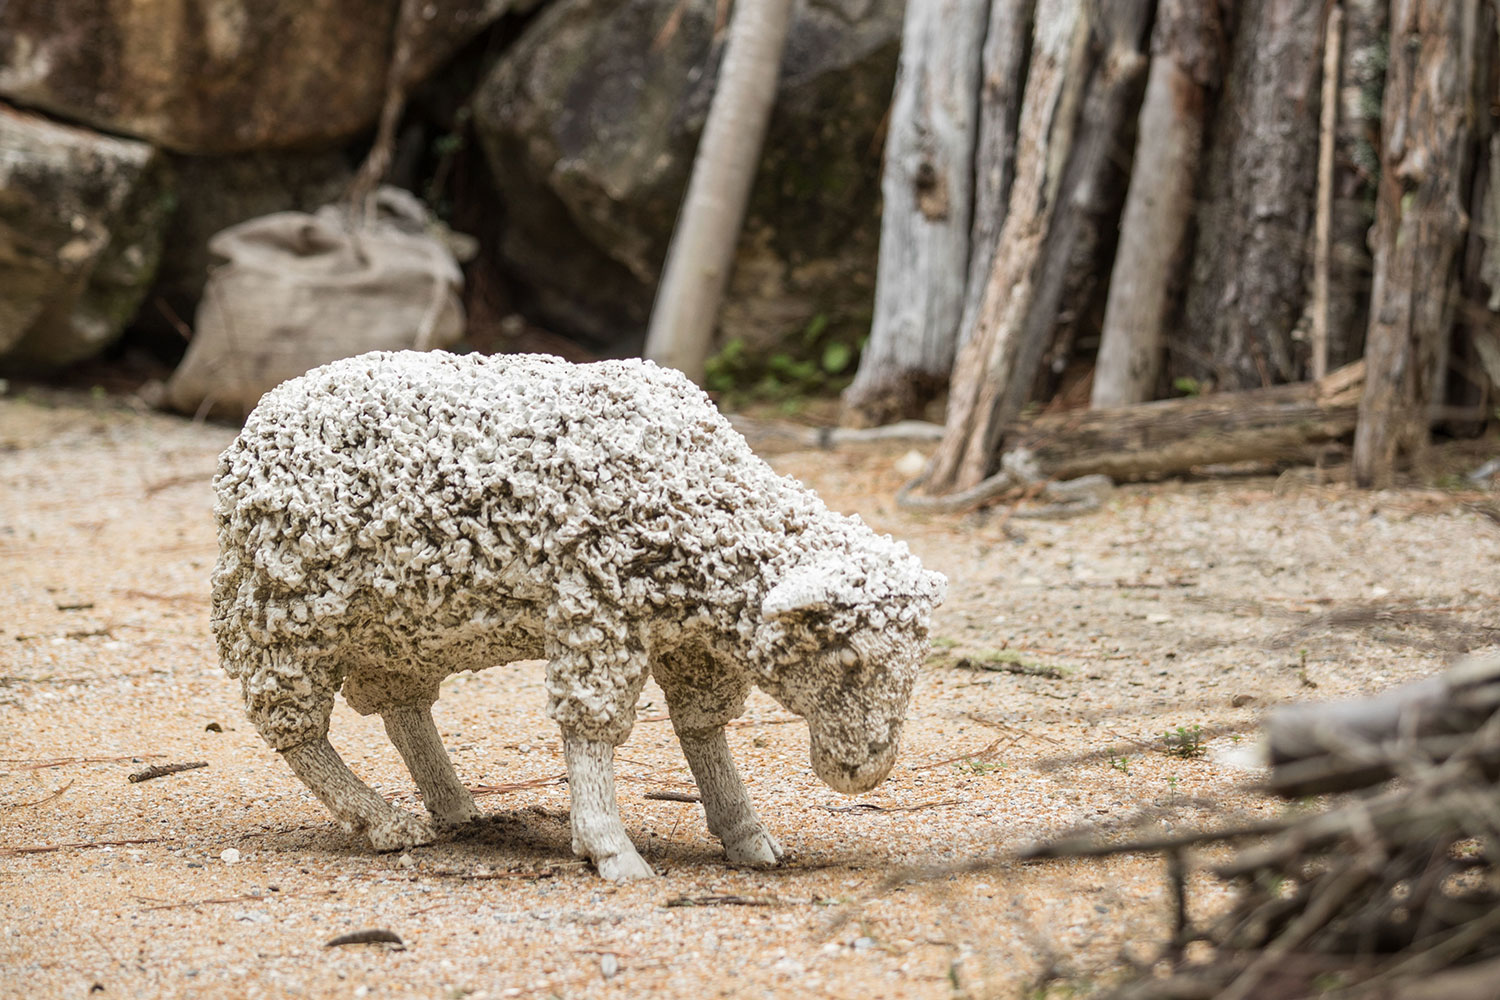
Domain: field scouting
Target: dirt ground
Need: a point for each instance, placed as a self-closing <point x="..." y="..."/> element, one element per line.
<point x="1175" y="605"/>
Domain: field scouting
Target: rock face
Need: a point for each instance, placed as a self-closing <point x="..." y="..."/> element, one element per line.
<point x="221" y="76"/>
<point x="81" y="220"/>
<point x="590" y="124"/>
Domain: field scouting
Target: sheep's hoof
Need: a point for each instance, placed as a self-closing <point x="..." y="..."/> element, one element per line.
<point x="623" y="867"/>
<point x="758" y="849"/>
<point x="400" y="831"/>
<point x="455" y="818"/>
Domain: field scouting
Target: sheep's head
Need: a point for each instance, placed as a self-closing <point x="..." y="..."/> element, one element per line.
<point x="849" y="637"/>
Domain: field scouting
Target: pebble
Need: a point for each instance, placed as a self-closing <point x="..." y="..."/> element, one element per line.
<point x="230" y="856"/>
<point x="911" y="464"/>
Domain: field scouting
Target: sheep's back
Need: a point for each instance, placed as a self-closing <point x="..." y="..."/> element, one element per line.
<point x="407" y="498"/>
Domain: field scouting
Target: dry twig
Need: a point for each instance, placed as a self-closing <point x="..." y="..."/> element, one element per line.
<point x="372" y="936"/>
<point x="722" y="900"/>
<point x="871" y="807"/>
<point x="33" y="764"/>
<point x="9" y="852"/>
<point x="516" y="786"/>
<point x="45" y="798"/>
<point x="162" y="770"/>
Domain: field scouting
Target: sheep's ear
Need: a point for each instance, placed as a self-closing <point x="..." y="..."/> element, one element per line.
<point x="804" y="592"/>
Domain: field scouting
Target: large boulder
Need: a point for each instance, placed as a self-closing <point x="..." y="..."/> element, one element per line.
<point x="81" y="220"/>
<point x="222" y="76"/>
<point x="590" y="123"/>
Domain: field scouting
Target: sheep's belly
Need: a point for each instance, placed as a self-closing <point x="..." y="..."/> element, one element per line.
<point x="474" y="642"/>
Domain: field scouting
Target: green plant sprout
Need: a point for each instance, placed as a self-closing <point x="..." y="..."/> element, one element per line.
<point x="1184" y="741"/>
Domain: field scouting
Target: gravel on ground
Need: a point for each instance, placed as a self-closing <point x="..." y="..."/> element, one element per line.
<point x="1065" y="652"/>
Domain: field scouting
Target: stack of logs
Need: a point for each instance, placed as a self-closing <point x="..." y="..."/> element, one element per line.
<point x="1393" y="893"/>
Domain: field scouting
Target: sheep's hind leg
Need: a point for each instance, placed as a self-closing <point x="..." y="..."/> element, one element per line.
<point x="726" y="803"/>
<point x="701" y="698"/>
<point x="411" y="729"/>
<point x="353" y="803"/>
<point x="598" y="833"/>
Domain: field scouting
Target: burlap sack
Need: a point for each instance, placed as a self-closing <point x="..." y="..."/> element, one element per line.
<point x="297" y="291"/>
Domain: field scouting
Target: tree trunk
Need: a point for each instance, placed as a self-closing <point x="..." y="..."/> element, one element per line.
<point x="1070" y="129"/>
<point x="1248" y="290"/>
<point x="928" y="193"/>
<point x="703" y="245"/>
<point x="1142" y="286"/>
<point x="1420" y="224"/>
<point x="1007" y="43"/>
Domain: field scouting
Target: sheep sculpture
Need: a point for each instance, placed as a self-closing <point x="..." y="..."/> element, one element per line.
<point x="388" y="520"/>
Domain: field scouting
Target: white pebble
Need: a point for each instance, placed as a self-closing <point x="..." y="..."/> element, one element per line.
<point x="911" y="464"/>
<point x="230" y="856"/>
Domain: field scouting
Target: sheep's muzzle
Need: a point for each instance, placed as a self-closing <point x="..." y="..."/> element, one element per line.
<point x="852" y="765"/>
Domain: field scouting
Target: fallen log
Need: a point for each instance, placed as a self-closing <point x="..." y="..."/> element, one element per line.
<point x="1074" y="452"/>
<point x="1291" y="423"/>
<point x="1340" y="746"/>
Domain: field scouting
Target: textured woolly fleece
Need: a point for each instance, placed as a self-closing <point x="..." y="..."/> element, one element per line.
<point x="390" y="519"/>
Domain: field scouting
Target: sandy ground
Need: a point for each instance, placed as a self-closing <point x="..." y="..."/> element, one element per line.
<point x="1173" y="606"/>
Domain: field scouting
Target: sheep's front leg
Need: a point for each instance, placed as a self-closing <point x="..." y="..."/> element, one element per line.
<point x="598" y="833"/>
<point x="726" y="802"/>
<point x="353" y="803"/>
<point x="412" y="730"/>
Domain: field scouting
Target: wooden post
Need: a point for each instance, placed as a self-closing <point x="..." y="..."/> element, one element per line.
<point x="928" y="189"/>
<point x="986" y="362"/>
<point x="1420" y="227"/>
<point x="1333" y="36"/>
<point x="1007" y="43"/>
<point x="1159" y="205"/>
<point x="707" y="234"/>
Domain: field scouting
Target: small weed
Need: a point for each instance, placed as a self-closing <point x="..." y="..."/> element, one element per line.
<point x="1302" y="676"/>
<point x="1059" y="990"/>
<point x="1171" y="781"/>
<point x="819" y="361"/>
<point x="1009" y="661"/>
<point x="1187" y="386"/>
<point x="942" y="642"/>
<point x="1184" y="741"/>
<point x="976" y="765"/>
<point x="1121" y="764"/>
<point x="1327" y="982"/>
